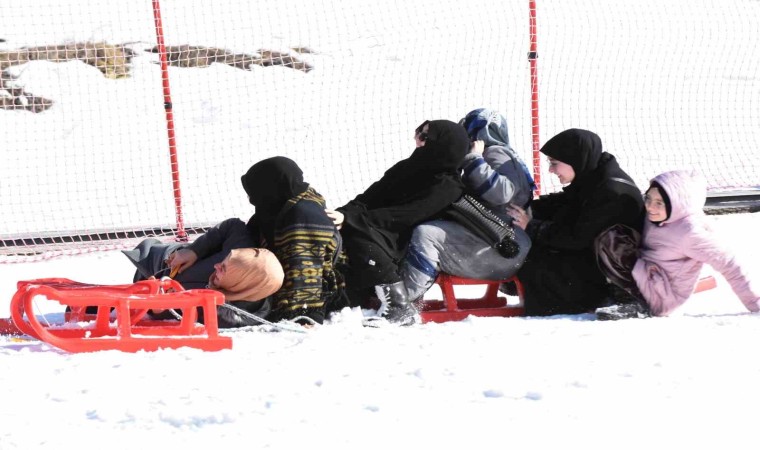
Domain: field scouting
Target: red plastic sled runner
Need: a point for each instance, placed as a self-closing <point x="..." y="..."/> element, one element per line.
<point x="128" y="331"/>
<point x="453" y="309"/>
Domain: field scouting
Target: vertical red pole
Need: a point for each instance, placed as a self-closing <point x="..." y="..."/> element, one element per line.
<point x="533" y="57"/>
<point x="181" y="233"/>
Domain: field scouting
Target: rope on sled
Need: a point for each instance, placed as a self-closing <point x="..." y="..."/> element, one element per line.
<point x="292" y="325"/>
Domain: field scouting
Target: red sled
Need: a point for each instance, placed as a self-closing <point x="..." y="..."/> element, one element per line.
<point x="119" y="322"/>
<point x="451" y="308"/>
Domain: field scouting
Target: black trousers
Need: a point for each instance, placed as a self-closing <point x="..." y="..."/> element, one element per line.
<point x="369" y="265"/>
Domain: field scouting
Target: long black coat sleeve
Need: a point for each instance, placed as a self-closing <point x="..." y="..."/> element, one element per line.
<point x="389" y="222"/>
<point x="226" y="235"/>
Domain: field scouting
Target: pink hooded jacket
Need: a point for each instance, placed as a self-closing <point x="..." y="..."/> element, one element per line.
<point x="673" y="252"/>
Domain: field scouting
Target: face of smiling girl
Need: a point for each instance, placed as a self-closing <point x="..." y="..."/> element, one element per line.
<point x="655" y="205"/>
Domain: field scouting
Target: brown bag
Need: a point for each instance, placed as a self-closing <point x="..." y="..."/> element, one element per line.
<point x="617" y="249"/>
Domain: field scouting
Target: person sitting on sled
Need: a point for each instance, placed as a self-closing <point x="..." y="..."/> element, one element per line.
<point x="497" y="177"/>
<point x="675" y="244"/>
<point x="378" y="223"/>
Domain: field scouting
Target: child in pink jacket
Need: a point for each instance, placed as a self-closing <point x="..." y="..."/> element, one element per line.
<point x="676" y="243"/>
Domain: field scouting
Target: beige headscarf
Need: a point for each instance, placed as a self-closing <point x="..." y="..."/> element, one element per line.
<point x="252" y="274"/>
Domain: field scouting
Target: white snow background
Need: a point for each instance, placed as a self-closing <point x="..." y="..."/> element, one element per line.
<point x="689" y="380"/>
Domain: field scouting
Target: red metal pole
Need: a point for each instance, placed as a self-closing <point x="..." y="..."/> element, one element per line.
<point x="533" y="57"/>
<point x="181" y="233"/>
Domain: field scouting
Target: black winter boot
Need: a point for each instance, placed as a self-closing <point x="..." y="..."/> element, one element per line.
<point x="396" y="306"/>
<point x="509" y="288"/>
<point x="624" y="305"/>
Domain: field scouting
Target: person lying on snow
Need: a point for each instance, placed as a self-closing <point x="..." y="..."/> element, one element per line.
<point x="291" y="223"/>
<point x="221" y="259"/>
<point x="676" y="243"/>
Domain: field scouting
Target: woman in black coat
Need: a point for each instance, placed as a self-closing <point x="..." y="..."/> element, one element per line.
<point x="377" y="224"/>
<point x="290" y="221"/>
<point x="560" y="275"/>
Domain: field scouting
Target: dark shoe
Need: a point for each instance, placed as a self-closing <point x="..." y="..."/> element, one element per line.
<point x="509" y="288"/>
<point x="165" y="314"/>
<point x="309" y="316"/>
<point x="396" y="307"/>
<point x="402" y="315"/>
<point x="634" y="310"/>
<point x="241" y="313"/>
<point x="623" y="304"/>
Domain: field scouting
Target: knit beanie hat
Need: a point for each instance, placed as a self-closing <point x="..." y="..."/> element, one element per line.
<point x="252" y="274"/>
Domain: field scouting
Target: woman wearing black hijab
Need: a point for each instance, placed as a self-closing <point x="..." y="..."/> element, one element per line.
<point x="560" y="275"/>
<point x="290" y="220"/>
<point x="377" y="224"/>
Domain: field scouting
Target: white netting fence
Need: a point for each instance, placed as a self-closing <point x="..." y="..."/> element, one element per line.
<point x="339" y="87"/>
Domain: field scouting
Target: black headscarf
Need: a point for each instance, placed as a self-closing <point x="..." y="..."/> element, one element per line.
<point x="414" y="190"/>
<point x="270" y="183"/>
<point x="581" y="149"/>
<point x="446" y="146"/>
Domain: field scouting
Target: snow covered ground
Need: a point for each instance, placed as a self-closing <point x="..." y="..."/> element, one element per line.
<point x="491" y="383"/>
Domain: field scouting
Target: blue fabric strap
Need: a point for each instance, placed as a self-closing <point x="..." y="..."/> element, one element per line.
<point x="419" y="262"/>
